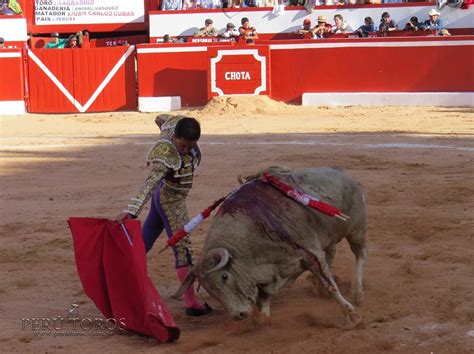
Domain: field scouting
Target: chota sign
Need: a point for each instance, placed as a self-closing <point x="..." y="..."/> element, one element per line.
<point x="238" y="72"/>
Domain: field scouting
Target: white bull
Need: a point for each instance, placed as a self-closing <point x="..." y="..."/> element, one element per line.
<point x="260" y="240"/>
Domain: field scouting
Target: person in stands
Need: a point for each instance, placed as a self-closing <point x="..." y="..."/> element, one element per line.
<point x="249" y="3"/>
<point x="248" y="32"/>
<point x="434" y="23"/>
<point x="189" y="4"/>
<point x="208" y="30"/>
<point x="444" y="32"/>
<point x="234" y="4"/>
<point x="73" y="43"/>
<point x="414" y="24"/>
<point x="207" y="4"/>
<point x="387" y="24"/>
<point x="10" y="7"/>
<point x="59" y="43"/>
<point x="230" y="31"/>
<point x="56" y="42"/>
<point x="340" y="26"/>
<point x="366" y="28"/>
<point x="2" y="43"/>
<point x="306" y="28"/>
<point x="171" y="4"/>
<point x="321" y="28"/>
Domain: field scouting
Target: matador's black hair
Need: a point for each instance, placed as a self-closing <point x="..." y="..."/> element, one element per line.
<point x="188" y="128"/>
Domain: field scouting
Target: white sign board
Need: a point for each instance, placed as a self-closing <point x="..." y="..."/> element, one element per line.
<point x="13" y="29"/>
<point x="73" y="12"/>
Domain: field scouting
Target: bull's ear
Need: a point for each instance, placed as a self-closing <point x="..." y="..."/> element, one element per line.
<point x="187" y="282"/>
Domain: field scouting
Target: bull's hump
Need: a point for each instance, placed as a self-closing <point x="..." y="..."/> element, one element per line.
<point x="252" y="197"/>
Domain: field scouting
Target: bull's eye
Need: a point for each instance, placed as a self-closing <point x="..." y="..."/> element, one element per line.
<point x="224" y="276"/>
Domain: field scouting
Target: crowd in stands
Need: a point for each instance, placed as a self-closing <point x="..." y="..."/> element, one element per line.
<point x="434" y="24"/>
<point x="218" y="4"/>
<point x="322" y="29"/>
<point x="245" y="31"/>
<point x="74" y="41"/>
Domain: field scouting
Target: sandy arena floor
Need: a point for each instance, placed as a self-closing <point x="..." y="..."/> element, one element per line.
<point x="416" y="164"/>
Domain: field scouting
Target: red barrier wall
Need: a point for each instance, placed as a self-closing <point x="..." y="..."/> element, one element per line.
<point x="11" y="84"/>
<point x="174" y="70"/>
<point x="407" y="64"/>
<point x="82" y="80"/>
<point x="12" y="93"/>
<point x="372" y="65"/>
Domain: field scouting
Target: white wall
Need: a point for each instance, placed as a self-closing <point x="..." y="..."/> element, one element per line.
<point x="13" y="29"/>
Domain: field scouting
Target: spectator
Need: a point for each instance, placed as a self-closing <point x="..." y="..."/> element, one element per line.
<point x="234" y="4"/>
<point x="10" y="7"/>
<point x="73" y="43"/>
<point x="56" y="42"/>
<point x="366" y="28"/>
<point x="85" y="33"/>
<point x="230" y="31"/>
<point x="208" y="30"/>
<point x="189" y="4"/>
<point x="340" y="26"/>
<point x="306" y="28"/>
<point x="321" y="28"/>
<point x="171" y="5"/>
<point x="2" y="43"/>
<point x="444" y="32"/>
<point x="168" y="39"/>
<point x="267" y="3"/>
<point x="248" y="32"/>
<point x="297" y="2"/>
<point x="248" y="3"/>
<point x="205" y="4"/>
<point x="414" y="24"/>
<point x="434" y="23"/>
<point x="463" y="4"/>
<point x="387" y="24"/>
<point x="83" y="38"/>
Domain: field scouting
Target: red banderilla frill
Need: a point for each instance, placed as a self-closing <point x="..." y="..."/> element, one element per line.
<point x="304" y="198"/>
<point x="192" y="224"/>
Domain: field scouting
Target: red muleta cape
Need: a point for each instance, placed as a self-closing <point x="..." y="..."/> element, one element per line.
<point x="111" y="263"/>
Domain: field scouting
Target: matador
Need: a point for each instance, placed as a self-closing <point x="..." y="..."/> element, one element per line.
<point x="173" y="160"/>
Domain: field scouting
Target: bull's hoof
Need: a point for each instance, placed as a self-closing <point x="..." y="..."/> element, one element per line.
<point x="354" y="320"/>
<point x="198" y="312"/>
<point x="263" y="320"/>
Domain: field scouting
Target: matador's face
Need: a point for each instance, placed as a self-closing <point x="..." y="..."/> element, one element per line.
<point x="184" y="146"/>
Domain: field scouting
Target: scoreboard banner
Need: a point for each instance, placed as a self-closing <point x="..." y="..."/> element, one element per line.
<point x="74" y="12"/>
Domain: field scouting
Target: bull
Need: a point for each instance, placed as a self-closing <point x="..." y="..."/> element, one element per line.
<point x="260" y="240"/>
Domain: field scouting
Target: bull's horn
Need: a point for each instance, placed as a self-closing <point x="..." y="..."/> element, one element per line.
<point x="187" y="282"/>
<point x="221" y="255"/>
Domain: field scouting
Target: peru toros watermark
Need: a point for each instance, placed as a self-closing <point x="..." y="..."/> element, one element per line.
<point x="72" y="324"/>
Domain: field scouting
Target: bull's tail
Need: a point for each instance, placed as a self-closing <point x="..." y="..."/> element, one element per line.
<point x="271" y="170"/>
